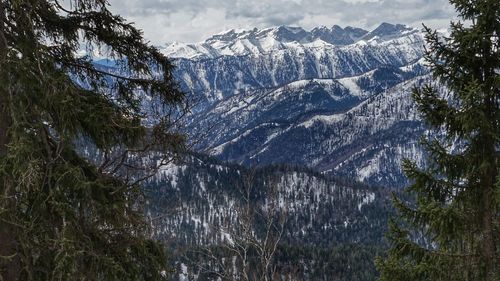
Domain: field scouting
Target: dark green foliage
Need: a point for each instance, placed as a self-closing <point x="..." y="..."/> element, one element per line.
<point x="452" y="231"/>
<point x="61" y="217"/>
<point x="348" y="262"/>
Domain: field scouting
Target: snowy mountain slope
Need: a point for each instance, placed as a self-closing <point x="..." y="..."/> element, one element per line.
<point x="194" y="205"/>
<point x="217" y="69"/>
<point x="333" y="99"/>
<point x="332" y="125"/>
<point x="333" y="142"/>
<point x="232" y="117"/>
<point x="294" y="102"/>
<point x="193" y="202"/>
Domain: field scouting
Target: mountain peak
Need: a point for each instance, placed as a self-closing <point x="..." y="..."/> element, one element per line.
<point x="280" y="33"/>
<point x="388" y="30"/>
<point x="289" y="33"/>
<point x="258" y="41"/>
<point x="231" y="35"/>
<point x="336" y="27"/>
<point x="355" y="32"/>
<point x="391" y="28"/>
<point x="292" y="29"/>
<point x="335" y="35"/>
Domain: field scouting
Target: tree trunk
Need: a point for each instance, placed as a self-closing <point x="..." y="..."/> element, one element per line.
<point x="488" y="184"/>
<point x="488" y="249"/>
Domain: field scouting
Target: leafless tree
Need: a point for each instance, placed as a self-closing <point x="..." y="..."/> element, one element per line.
<point x="251" y="242"/>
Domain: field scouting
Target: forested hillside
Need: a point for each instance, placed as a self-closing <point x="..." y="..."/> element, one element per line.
<point x="199" y="206"/>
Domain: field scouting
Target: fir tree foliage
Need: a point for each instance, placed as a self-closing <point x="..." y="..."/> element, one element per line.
<point x="451" y="231"/>
<point x="62" y="217"/>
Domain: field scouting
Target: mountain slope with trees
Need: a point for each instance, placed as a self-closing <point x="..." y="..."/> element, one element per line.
<point x="208" y="212"/>
<point x="337" y="107"/>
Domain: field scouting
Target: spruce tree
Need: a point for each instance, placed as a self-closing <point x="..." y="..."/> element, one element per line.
<point x="62" y="216"/>
<point x="451" y="230"/>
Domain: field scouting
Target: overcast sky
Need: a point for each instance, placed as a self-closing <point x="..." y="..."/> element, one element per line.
<point x="165" y="21"/>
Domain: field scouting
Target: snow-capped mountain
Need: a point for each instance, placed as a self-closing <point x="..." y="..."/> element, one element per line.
<point x="261" y="41"/>
<point x="321" y="124"/>
<point x="334" y="99"/>
<point x="216" y="69"/>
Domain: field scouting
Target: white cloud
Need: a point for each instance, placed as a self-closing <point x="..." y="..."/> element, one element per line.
<point x="193" y="20"/>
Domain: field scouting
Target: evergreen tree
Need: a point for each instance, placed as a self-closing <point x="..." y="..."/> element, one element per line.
<point x="63" y="217"/>
<point x="451" y="232"/>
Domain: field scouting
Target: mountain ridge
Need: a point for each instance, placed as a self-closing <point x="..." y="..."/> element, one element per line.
<point x="260" y="41"/>
<point x="296" y="103"/>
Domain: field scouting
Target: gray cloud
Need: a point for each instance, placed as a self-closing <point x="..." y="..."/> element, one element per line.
<point x="193" y="20"/>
